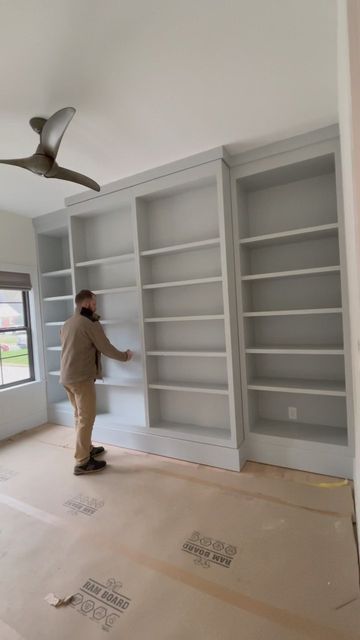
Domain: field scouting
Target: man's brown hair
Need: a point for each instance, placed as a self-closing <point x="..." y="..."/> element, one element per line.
<point x="84" y="294"/>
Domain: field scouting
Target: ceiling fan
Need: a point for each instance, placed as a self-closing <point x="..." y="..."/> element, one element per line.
<point x="43" y="161"/>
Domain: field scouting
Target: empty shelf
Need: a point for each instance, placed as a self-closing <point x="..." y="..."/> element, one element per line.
<point x="310" y="387"/>
<point x="192" y="388"/>
<point x="283" y="237"/>
<point x="299" y="349"/>
<point x="192" y="432"/>
<point x="117" y="382"/>
<point x="112" y="260"/>
<point x="301" y="431"/>
<point x="58" y="298"/>
<point x="61" y="405"/>
<point x="100" y="292"/>
<point x="112" y="382"/>
<point x="294" y="273"/>
<point x="184" y="318"/>
<point x="188" y="246"/>
<point x="191" y="354"/>
<point x="292" y="312"/>
<point x="57" y="274"/>
<point x="183" y="283"/>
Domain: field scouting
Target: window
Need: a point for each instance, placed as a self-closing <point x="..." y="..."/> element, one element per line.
<point x="16" y="353"/>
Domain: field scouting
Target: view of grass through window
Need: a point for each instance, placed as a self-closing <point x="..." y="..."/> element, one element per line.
<point x="15" y="339"/>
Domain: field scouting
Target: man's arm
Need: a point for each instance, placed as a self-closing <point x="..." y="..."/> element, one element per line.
<point x="103" y="344"/>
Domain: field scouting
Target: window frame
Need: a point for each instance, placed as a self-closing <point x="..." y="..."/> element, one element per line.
<point x="25" y="328"/>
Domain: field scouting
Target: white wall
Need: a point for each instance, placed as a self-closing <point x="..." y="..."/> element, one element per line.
<point x="349" y="120"/>
<point x="24" y="406"/>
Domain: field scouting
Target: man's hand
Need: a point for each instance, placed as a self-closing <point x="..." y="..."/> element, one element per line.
<point x="129" y="354"/>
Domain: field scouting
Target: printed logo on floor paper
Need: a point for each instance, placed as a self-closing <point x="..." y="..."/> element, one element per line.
<point x="6" y="474"/>
<point x="101" y="603"/>
<point x="209" y="551"/>
<point x="83" y="504"/>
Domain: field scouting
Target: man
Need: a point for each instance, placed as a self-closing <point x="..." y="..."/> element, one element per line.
<point x="83" y="341"/>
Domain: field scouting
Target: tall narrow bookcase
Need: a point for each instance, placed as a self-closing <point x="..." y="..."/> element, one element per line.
<point x="102" y="245"/>
<point x="293" y="309"/>
<point x="188" y="293"/>
<point x="56" y="286"/>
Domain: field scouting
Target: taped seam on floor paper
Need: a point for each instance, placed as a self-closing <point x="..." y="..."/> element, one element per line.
<point x="30" y="510"/>
<point x="250" y="494"/>
<point x="8" y="633"/>
<point x="282" y="617"/>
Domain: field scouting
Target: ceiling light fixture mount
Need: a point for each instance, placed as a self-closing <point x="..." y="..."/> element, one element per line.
<point x="43" y="161"/>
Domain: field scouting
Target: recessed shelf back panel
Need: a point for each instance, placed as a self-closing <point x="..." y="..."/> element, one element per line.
<point x="323" y="252"/>
<point x="182" y="266"/>
<point x="194" y="300"/>
<point x="293" y="293"/>
<point x="294" y="330"/>
<point x="179" y="216"/>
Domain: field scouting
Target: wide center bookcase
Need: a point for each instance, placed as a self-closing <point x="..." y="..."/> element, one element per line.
<point x="226" y="276"/>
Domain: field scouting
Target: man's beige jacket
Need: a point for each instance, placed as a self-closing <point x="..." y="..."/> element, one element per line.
<point x="83" y="341"/>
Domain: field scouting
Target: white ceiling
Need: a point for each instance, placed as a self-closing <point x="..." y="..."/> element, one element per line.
<point x="157" y="80"/>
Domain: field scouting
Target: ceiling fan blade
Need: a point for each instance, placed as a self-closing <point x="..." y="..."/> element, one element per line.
<point x="72" y="176"/>
<point x="24" y="163"/>
<point x="54" y="129"/>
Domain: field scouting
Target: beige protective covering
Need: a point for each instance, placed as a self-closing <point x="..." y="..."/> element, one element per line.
<point x="162" y="550"/>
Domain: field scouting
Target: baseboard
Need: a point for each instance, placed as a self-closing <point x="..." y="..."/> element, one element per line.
<point x="138" y="440"/>
<point x="23" y="424"/>
<point x="329" y="460"/>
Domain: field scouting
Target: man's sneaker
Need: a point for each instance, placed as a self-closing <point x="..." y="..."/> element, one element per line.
<point x="89" y="467"/>
<point x="96" y="451"/>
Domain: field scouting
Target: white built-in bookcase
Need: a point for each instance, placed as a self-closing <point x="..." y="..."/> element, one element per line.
<point x="102" y="244"/>
<point x="185" y="273"/>
<point x="227" y="277"/>
<point x="292" y="308"/>
<point x="57" y="293"/>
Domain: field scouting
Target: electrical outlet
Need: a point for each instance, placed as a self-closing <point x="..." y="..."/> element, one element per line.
<point x="292" y="413"/>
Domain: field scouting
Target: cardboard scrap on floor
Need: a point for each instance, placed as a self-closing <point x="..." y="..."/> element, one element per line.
<point x="152" y="548"/>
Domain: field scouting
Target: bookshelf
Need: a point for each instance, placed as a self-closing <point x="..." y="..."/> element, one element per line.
<point x="291" y="296"/>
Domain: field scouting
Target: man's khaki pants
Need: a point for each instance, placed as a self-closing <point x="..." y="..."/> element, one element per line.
<point x="83" y="398"/>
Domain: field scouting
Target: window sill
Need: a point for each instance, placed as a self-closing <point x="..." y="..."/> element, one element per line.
<point x="22" y="385"/>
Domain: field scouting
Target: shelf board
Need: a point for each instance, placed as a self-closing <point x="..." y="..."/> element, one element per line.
<point x="62" y="405"/>
<point x="111" y="382"/>
<point x="292" y="312"/>
<point x="53" y="348"/>
<point x="188" y="246"/>
<point x="112" y="260"/>
<point x="185" y="318"/>
<point x="298" y="349"/>
<point x="100" y="292"/>
<point x="283" y="237"/>
<point x="294" y="273"/>
<point x="289" y="385"/>
<point x="190" y="354"/>
<point x="183" y="283"/>
<point x="192" y="388"/>
<point x="301" y="431"/>
<point x="102" y="419"/>
<point x="58" y="298"/>
<point x="192" y="432"/>
<point x="56" y="274"/>
<point x="117" y="382"/>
